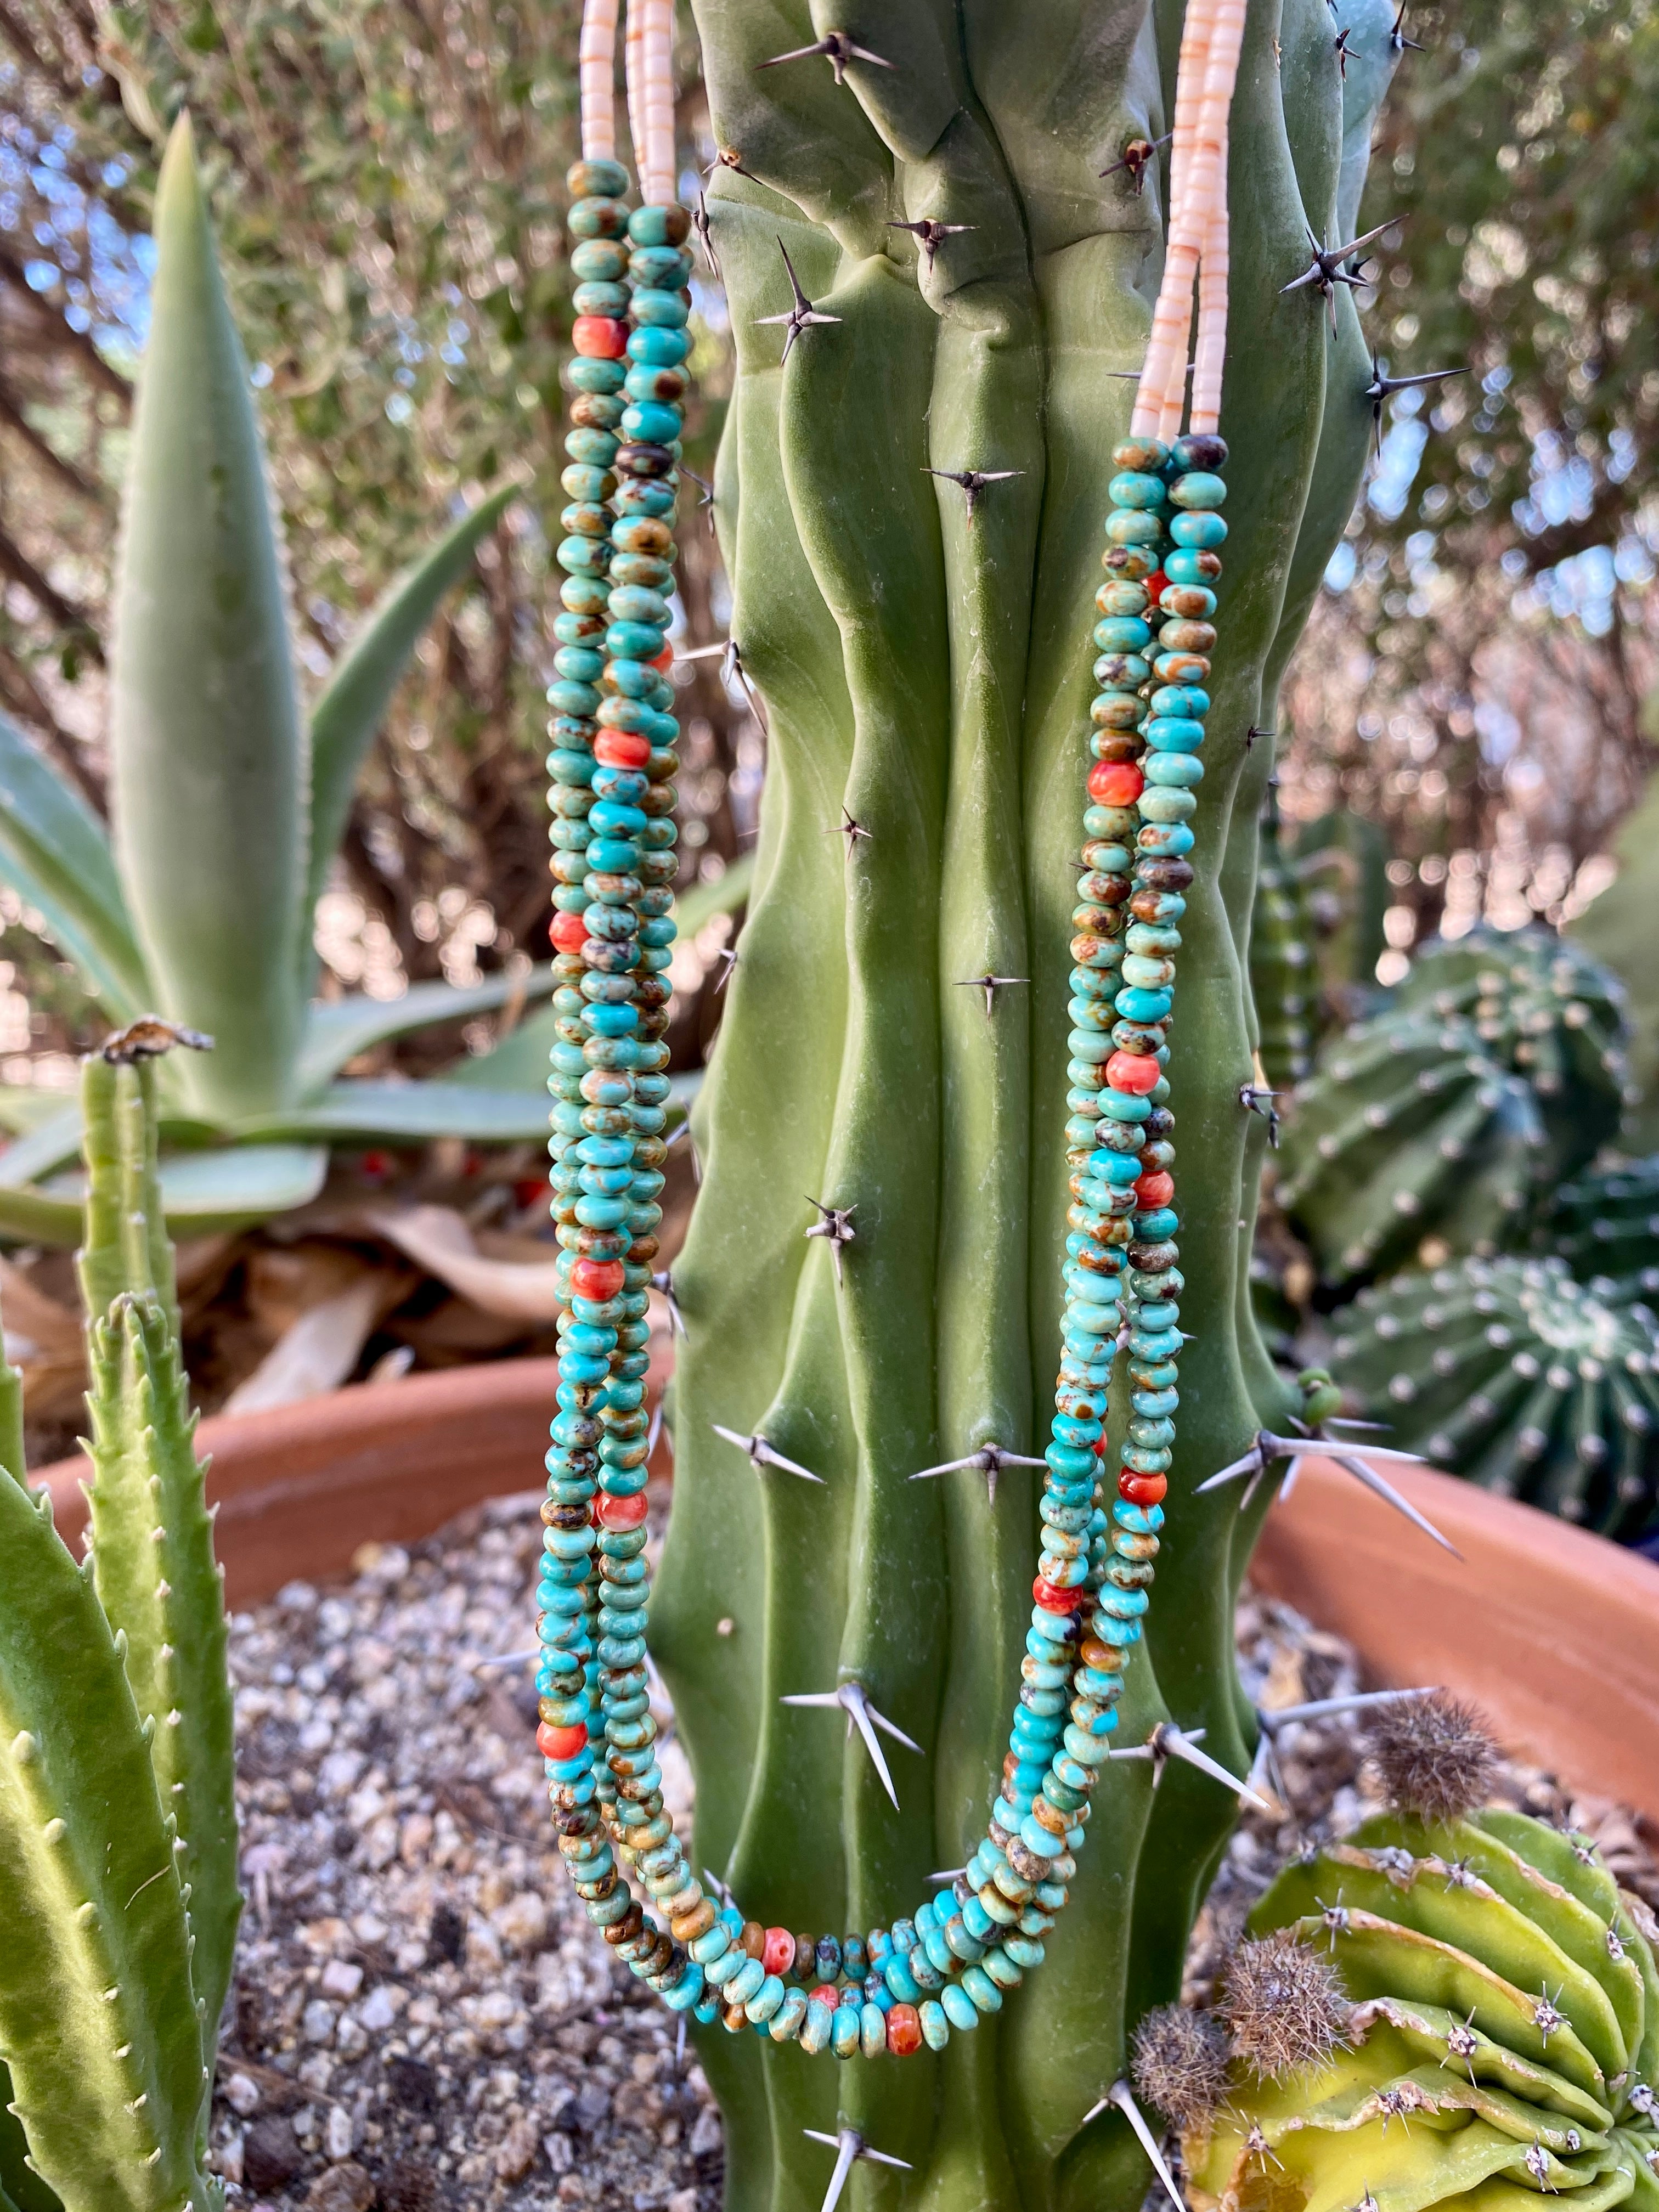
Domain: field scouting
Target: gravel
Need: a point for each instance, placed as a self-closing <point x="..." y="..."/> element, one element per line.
<point x="422" y="2016"/>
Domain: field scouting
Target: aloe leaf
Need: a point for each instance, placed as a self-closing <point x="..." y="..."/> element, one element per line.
<point x="98" y="2019"/>
<point x="337" y="1029"/>
<point x="202" y="1193"/>
<point x="26" y="1106"/>
<point x="210" y="791"/>
<point x="20" y="2190"/>
<point x="42" y="1148"/>
<point x="55" y="856"/>
<point x="349" y="710"/>
<point x="376" y="1113"/>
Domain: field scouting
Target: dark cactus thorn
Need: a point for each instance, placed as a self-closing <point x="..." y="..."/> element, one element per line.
<point x="802" y="316"/>
<point x="1343" y="51"/>
<point x="1381" y="387"/>
<point x="930" y="236"/>
<point x="837" y="47"/>
<point x="1397" y="39"/>
<point x="973" y="482"/>
<point x="1326" y="271"/>
<point x="1135" y="159"/>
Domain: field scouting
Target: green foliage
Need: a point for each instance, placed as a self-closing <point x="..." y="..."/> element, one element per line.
<point x="1283" y="980"/>
<point x="117" y="1826"/>
<point x="1503" y="2038"/>
<point x="227" y="808"/>
<point x="1607" y="1224"/>
<point x="1509" y="1372"/>
<point x="934" y="679"/>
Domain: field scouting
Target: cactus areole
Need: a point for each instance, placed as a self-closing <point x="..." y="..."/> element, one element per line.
<point x="932" y="291"/>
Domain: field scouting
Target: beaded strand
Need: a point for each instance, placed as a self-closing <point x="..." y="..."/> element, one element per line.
<point x="612" y="764"/>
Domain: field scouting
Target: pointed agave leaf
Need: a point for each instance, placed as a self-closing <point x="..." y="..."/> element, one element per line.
<point x="209" y="791"/>
<point x="348" y="711"/>
<point x="97" y="2014"/>
<point x="337" y="1029"/>
<point x="55" y="856"/>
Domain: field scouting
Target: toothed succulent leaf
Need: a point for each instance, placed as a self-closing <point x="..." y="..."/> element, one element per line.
<point x="98" y="2025"/>
<point x="1511" y="1373"/>
<point x="1503" y="2039"/>
<point x="152" y="1536"/>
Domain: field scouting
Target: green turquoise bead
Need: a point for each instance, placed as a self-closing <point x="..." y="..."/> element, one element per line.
<point x="935" y="2025"/>
<point x="1135" y="490"/>
<point x="596" y="447"/>
<point x="608" y="300"/>
<point x="1158" y="805"/>
<point x="599" y="178"/>
<point x="873" y="2031"/>
<point x="652" y="423"/>
<point x="958" y="2009"/>
<point x="1129" y="527"/>
<point x="599" y="261"/>
<point x="1187" y="591"/>
<point x="597" y="218"/>
<point x="632" y="640"/>
<point x="982" y="1991"/>
<point x="1199" y="492"/>
<point x="595" y="376"/>
<point x="1178" y="768"/>
<point x="658" y="226"/>
<point x="633" y="604"/>
<point x="1184" y="701"/>
<point x="660" y="268"/>
<point x="816" y="2026"/>
<point x="1185" y="565"/>
<point x="660" y="310"/>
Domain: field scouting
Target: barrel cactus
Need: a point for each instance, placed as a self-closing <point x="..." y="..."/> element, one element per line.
<point x="117" y="1826"/>
<point x="1606" y="1223"/>
<point x="1496" y="1070"/>
<point x="1491" y="2031"/>
<point x="1283" y="977"/>
<point x="911" y="509"/>
<point x="1510" y="1372"/>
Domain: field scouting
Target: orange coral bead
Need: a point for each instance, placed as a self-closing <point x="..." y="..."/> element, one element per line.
<point x="560" y="1742"/>
<point x="1115" y="783"/>
<point x="904" y="2029"/>
<point x="622" y="748"/>
<point x="1155" y="1189"/>
<point x="1137" y="1072"/>
<point x="599" y="338"/>
<point x="568" y="932"/>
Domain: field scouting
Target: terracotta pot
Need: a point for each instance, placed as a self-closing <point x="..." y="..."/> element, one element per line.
<point x="299" y="1488"/>
<point x="1554" y="1633"/>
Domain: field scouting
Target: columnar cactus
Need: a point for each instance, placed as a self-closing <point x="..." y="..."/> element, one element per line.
<point x="1498" y="1069"/>
<point x="1512" y="1373"/>
<point x="911" y="509"/>
<point x="118" y="1831"/>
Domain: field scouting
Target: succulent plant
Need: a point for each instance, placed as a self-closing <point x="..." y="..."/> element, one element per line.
<point x="1283" y="975"/>
<point x="1606" y="1225"/>
<point x="228" y="805"/>
<point x="1509" y="1372"/>
<point x="1448" y="1119"/>
<point x="118" y="1824"/>
<point x="1548" y="1009"/>
<point x="927" y="681"/>
<point x="1497" y="2039"/>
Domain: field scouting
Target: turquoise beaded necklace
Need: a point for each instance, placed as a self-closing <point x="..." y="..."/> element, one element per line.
<point x="942" y="1968"/>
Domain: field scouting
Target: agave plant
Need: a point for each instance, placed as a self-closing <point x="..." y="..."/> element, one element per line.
<point x="228" y="804"/>
<point x="118" y="1823"/>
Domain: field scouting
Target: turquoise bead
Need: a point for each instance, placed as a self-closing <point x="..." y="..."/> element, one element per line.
<point x="1121" y="634"/>
<point x="935" y="2025"/>
<point x="633" y="604"/>
<point x="958" y="2009"/>
<point x="1205" y="530"/>
<point x="1200" y="491"/>
<point x="632" y="640"/>
<point x="1132" y="488"/>
<point x="650" y="422"/>
<point x="1137" y="1004"/>
<point x="845" y="2031"/>
<point x="583" y="556"/>
<point x="873" y="2031"/>
<point x="816" y="2026"/>
<point x="1186" y="567"/>
<point x="1166" y="838"/>
<point x="981" y="1990"/>
<point x="1173" y="769"/>
<point x="766" y="1999"/>
<point x="651" y="225"/>
<point x="1175" y="733"/>
<point x="1159" y="804"/>
<point x="1121" y="1168"/>
<point x="1124" y="1106"/>
<point x="1127" y="527"/>
<point x="660" y="310"/>
<point x="659" y="349"/>
<point x="659" y="266"/>
<point x="1180" y="699"/>
<point x="600" y="260"/>
<point x="1036" y="1838"/>
<point x="600" y="299"/>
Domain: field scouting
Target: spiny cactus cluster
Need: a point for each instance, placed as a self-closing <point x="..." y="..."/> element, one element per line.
<point x="118" y="1829"/>
<point x="1605" y="1226"/>
<point x="1512" y="1373"/>
<point x="1497" y="1070"/>
<point x="1451" y="2005"/>
<point x="1284" y="979"/>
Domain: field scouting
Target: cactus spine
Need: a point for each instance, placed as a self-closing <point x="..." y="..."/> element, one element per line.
<point x="927" y="674"/>
<point x="118" y="1832"/>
